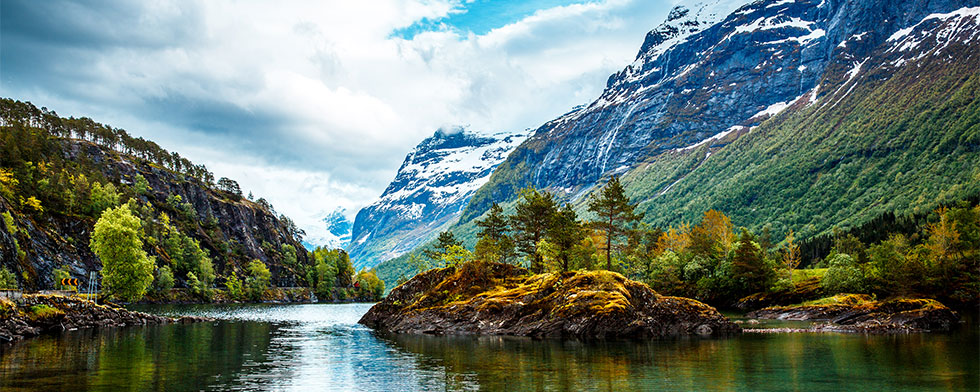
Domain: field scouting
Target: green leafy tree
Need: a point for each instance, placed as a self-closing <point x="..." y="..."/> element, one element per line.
<point x="7" y="279"/>
<point x="843" y="275"/>
<point x="103" y="197"/>
<point x="615" y="215"/>
<point x="288" y="255"/>
<point x="117" y="240"/>
<point x="456" y="255"/>
<point x="532" y="217"/>
<point x="258" y="279"/>
<point x="164" y="280"/>
<point x="370" y="287"/>
<point x="326" y="272"/>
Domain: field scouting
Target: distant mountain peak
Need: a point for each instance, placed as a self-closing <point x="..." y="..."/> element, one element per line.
<point x="432" y="186"/>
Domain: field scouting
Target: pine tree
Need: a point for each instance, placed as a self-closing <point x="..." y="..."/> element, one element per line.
<point x="494" y="244"/>
<point x="564" y="233"/>
<point x="749" y="266"/>
<point x="445" y="241"/>
<point x="531" y="220"/>
<point x="616" y="215"/>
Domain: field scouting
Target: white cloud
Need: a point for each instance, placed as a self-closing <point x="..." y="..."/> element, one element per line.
<point x="314" y="104"/>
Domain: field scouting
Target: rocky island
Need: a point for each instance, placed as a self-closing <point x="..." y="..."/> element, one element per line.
<point x="500" y="299"/>
<point x="36" y="314"/>
<point x="861" y="313"/>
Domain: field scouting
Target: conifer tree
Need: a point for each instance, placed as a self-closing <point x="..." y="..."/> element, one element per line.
<point x="531" y="220"/>
<point x="615" y="214"/>
<point x="494" y="244"/>
<point x="564" y="233"/>
<point x="445" y="241"/>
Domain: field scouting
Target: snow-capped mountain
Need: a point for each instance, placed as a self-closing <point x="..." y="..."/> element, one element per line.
<point x="431" y="188"/>
<point x="705" y="76"/>
<point x="339" y="226"/>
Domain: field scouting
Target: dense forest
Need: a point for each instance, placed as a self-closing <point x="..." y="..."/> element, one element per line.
<point x="153" y="219"/>
<point x="928" y="255"/>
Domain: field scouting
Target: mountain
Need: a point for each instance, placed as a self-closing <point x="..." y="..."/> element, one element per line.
<point x="428" y="194"/>
<point x="58" y="174"/>
<point x="340" y="227"/>
<point x="812" y="114"/>
<point x="707" y="87"/>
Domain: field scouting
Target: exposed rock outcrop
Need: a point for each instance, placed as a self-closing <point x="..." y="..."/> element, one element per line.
<point x="859" y="313"/>
<point x="500" y="299"/>
<point x="39" y="314"/>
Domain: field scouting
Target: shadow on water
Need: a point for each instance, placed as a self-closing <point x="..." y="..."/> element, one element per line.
<point x="317" y="347"/>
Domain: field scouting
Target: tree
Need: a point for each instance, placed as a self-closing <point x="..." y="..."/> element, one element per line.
<point x="164" y="280"/>
<point x="791" y="258"/>
<point x="117" y="240"/>
<point x="749" y="269"/>
<point x="445" y="241"/>
<point x="231" y="186"/>
<point x="288" y="255"/>
<point x="943" y="242"/>
<point x="564" y="234"/>
<point x="103" y="197"/>
<point x="369" y="285"/>
<point x="456" y="255"/>
<point x="141" y="186"/>
<point x="615" y="214"/>
<point x="843" y="275"/>
<point x="713" y="237"/>
<point x="258" y="279"/>
<point x="531" y="220"/>
<point x="7" y="279"/>
<point x="494" y="244"/>
<point x="234" y="286"/>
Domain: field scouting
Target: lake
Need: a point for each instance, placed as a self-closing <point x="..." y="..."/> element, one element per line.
<point x="320" y="346"/>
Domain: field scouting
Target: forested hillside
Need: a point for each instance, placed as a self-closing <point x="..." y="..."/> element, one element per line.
<point x="58" y="175"/>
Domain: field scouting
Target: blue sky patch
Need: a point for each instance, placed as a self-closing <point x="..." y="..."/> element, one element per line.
<point x="481" y="16"/>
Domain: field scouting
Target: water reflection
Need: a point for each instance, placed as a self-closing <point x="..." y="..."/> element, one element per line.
<point x="304" y="347"/>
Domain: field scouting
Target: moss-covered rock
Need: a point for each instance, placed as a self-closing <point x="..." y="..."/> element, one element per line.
<point x="500" y="299"/>
<point x="862" y="313"/>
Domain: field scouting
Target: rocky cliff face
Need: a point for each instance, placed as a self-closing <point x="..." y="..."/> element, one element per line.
<point x="232" y="231"/>
<point x="702" y="78"/>
<point x="430" y="190"/>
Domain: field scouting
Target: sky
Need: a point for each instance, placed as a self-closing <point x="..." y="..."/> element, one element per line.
<point x="314" y="104"/>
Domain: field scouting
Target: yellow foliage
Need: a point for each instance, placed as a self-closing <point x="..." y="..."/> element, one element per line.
<point x="33" y="203"/>
<point x="675" y="239"/>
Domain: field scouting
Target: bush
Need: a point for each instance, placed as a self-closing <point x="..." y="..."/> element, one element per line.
<point x="843" y="275"/>
<point x="7" y="279"/>
<point x="60" y="273"/>
<point x="234" y="285"/>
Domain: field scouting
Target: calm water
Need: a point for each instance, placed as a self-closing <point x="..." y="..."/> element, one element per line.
<point x="316" y="347"/>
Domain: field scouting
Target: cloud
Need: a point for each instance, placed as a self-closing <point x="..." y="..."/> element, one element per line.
<point x="310" y="104"/>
